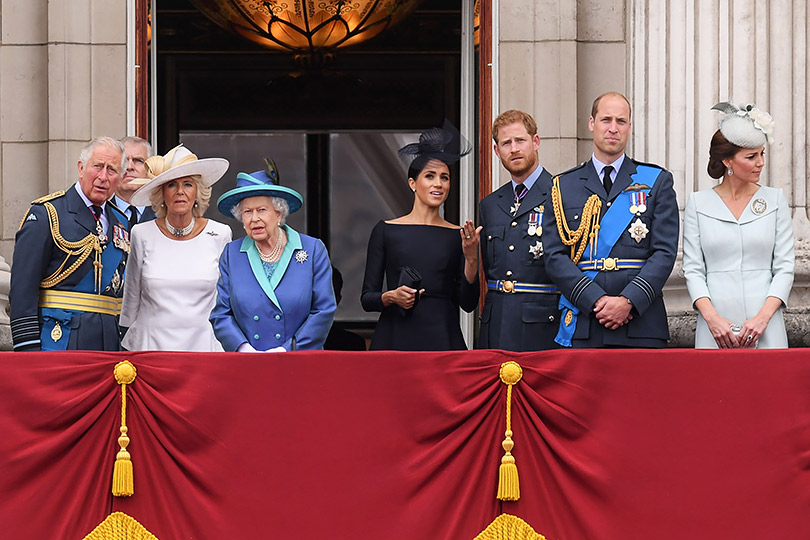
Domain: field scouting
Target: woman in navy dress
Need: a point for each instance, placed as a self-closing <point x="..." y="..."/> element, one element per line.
<point x="444" y="255"/>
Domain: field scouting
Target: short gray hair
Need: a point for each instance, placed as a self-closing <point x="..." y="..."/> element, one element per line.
<point x="87" y="151"/>
<point x="281" y="206"/>
<point x="132" y="139"/>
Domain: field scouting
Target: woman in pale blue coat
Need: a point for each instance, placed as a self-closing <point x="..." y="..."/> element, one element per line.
<point x="738" y="241"/>
<point x="275" y="287"/>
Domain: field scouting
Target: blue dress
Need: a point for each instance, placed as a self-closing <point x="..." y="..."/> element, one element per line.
<point x="435" y="252"/>
<point x="296" y="302"/>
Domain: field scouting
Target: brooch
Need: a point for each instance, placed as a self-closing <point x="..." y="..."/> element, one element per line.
<point x="638" y="230"/>
<point x="759" y="206"/>
<point x="536" y="250"/>
<point x="301" y="256"/>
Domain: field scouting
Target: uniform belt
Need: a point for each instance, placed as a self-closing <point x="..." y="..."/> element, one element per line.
<point x="506" y="286"/>
<point x="76" y="301"/>
<point x="611" y="263"/>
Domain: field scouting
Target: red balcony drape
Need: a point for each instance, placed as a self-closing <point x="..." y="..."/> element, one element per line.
<point x="609" y="444"/>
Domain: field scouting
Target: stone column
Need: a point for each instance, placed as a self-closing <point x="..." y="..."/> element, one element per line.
<point x="687" y="55"/>
<point x="63" y="82"/>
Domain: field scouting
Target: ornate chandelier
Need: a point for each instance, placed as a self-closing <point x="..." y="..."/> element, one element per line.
<point x="306" y="27"/>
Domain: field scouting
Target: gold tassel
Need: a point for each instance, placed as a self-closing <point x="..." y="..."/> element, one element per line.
<point x="508" y="481"/>
<point x="123" y="479"/>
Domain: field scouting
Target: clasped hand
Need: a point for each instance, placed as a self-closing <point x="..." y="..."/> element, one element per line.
<point x="612" y="311"/>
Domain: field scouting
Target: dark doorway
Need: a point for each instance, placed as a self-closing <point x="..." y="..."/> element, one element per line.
<point x="333" y="131"/>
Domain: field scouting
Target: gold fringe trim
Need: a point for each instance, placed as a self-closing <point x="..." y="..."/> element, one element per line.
<point x="508" y="527"/>
<point x="123" y="479"/>
<point x="508" y="481"/>
<point x="119" y="526"/>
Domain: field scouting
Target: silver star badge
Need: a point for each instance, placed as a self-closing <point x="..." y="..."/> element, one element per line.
<point x="301" y="256"/>
<point x="638" y="230"/>
<point x="536" y="250"/>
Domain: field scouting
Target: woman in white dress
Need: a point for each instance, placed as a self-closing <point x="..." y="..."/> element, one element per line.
<point x="738" y="241"/>
<point x="173" y="267"/>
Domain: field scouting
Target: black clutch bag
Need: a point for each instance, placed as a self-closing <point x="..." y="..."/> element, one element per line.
<point x="413" y="279"/>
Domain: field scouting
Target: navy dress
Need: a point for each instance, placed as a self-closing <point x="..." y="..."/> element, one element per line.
<point x="435" y="252"/>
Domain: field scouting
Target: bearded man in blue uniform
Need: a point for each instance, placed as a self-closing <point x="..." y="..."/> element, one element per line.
<point x="611" y="240"/>
<point x="70" y="252"/>
<point x="520" y="310"/>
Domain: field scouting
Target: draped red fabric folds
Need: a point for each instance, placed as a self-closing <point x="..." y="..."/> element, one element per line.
<point x="326" y="445"/>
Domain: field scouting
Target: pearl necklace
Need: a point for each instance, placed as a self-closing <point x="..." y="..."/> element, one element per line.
<point x="275" y="253"/>
<point x="180" y="232"/>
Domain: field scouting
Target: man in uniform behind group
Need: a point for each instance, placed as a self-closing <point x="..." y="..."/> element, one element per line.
<point x="612" y="239"/>
<point x="520" y="311"/>
<point x="70" y="252"/>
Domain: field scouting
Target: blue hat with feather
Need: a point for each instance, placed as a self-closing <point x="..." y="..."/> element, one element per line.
<point x="259" y="184"/>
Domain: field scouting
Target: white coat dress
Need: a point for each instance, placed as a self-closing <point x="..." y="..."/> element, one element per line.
<point x="739" y="263"/>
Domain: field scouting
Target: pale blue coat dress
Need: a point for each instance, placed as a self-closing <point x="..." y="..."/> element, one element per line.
<point x="737" y="264"/>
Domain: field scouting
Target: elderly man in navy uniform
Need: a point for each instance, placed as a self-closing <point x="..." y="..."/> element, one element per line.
<point x="521" y="307"/>
<point x="69" y="257"/>
<point x="611" y="240"/>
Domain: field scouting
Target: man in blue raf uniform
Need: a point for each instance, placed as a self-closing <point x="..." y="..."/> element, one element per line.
<point x="520" y="310"/>
<point x="69" y="256"/>
<point x="611" y="240"/>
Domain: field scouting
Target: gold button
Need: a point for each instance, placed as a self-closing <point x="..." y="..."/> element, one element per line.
<point x="511" y="248"/>
<point x="551" y="318"/>
<point x="508" y="273"/>
<point x="609" y="203"/>
<point x="576" y="217"/>
<point x="514" y="224"/>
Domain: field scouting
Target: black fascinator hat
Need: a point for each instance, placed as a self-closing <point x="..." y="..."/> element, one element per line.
<point x="444" y="144"/>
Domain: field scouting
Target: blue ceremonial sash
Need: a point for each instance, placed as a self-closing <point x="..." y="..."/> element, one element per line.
<point x="612" y="226"/>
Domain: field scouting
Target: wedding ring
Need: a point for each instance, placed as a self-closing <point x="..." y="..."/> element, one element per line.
<point x="468" y="237"/>
<point x="750" y="337"/>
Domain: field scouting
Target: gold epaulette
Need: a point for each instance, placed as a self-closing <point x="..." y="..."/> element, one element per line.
<point x="46" y="198"/>
<point x="49" y="197"/>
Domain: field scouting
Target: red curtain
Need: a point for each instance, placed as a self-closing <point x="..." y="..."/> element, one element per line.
<point x="608" y="444"/>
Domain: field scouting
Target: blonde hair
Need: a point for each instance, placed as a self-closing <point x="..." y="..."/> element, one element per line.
<point x="200" y="203"/>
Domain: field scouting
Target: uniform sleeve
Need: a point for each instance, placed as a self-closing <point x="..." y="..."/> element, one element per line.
<point x="371" y="296"/>
<point x="226" y="329"/>
<point x="694" y="265"/>
<point x="33" y="250"/>
<point x="312" y="333"/>
<point x="648" y="284"/>
<point x="783" y="252"/>
<point x="132" y="279"/>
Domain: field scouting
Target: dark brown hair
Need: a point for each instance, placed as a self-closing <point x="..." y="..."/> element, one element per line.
<point x="514" y="116"/>
<point x="720" y="149"/>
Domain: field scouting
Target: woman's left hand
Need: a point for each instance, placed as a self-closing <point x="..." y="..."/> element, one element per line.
<point x="470" y="238"/>
<point x="752" y="328"/>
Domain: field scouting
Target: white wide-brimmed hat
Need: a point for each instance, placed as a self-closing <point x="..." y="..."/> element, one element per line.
<point x="178" y="162"/>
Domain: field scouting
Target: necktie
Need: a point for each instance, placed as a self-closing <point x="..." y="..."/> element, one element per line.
<point x="96" y="211"/>
<point x="99" y="226"/>
<point x="606" y="178"/>
<point x="133" y="216"/>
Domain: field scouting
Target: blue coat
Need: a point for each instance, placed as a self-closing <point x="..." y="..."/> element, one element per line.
<point x="36" y="256"/>
<point x="297" y="302"/>
<point x="515" y="321"/>
<point x="641" y="286"/>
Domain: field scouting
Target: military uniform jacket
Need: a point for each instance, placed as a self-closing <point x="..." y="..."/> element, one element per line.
<point x="516" y="321"/>
<point x="37" y="256"/>
<point x="643" y="286"/>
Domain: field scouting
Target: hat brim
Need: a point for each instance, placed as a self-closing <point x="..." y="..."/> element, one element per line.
<point x="210" y="170"/>
<point x="231" y="198"/>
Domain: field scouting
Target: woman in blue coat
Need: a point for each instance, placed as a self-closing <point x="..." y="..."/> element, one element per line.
<point x="275" y="286"/>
